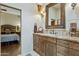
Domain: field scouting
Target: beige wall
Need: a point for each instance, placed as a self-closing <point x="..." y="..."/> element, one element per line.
<point x="7" y="18"/>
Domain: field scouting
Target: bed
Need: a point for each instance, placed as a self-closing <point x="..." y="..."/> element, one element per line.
<point x="9" y="37"/>
<point x="8" y="34"/>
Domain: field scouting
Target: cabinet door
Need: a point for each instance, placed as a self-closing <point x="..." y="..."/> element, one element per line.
<point x="74" y="45"/>
<point x="73" y="52"/>
<point x="74" y="49"/>
<point x="62" y="51"/>
<point x="35" y="43"/>
<point x="41" y="46"/>
<point x="50" y="49"/>
<point x="62" y="47"/>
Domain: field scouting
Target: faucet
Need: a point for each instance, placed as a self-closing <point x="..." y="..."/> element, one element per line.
<point x="52" y="32"/>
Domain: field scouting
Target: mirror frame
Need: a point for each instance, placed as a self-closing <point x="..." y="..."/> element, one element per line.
<point x="62" y="21"/>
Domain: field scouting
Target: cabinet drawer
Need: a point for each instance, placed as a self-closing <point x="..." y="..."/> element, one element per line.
<point x="73" y="52"/>
<point x="62" y="43"/>
<point x="74" y="45"/>
<point x="62" y="50"/>
<point x="52" y="40"/>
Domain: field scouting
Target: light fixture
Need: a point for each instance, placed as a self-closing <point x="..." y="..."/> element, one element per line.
<point x="40" y="9"/>
<point x="73" y="5"/>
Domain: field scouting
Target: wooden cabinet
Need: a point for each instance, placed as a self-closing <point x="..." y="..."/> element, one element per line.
<point x="35" y="42"/>
<point x="73" y="52"/>
<point x="51" y="46"/>
<point x="62" y="47"/>
<point x="50" y="49"/>
<point x="41" y="45"/>
<point x="62" y="51"/>
<point x="44" y="45"/>
<point x="74" y="49"/>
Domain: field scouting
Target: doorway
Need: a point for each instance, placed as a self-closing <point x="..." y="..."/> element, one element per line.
<point x="10" y="30"/>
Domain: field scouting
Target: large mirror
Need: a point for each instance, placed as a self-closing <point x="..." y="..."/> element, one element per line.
<point x="55" y="15"/>
<point x="10" y="23"/>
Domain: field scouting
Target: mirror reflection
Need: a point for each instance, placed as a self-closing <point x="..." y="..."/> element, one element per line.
<point x="54" y="15"/>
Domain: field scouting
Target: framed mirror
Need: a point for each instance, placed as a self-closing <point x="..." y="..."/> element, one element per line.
<point x="55" y="16"/>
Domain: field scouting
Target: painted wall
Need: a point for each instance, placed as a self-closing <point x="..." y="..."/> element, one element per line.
<point x="71" y="15"/>
<point x="7" y="18"/>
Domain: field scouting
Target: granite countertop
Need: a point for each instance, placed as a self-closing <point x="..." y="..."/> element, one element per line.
<point x="76" y="39"/>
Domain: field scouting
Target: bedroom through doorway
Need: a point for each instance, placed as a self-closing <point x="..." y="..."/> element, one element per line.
<point x="10" y="19"/>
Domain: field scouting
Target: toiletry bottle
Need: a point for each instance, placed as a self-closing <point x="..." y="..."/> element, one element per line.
<point x="35" y="28"/>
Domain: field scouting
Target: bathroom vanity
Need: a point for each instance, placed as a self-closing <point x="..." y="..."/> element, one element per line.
<point x="53" y="45"/>
<point x="59" y="42"/>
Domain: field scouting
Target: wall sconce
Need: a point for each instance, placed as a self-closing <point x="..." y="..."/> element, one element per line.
<point x="73" y="5"/>
<point x="40" y="9"/>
